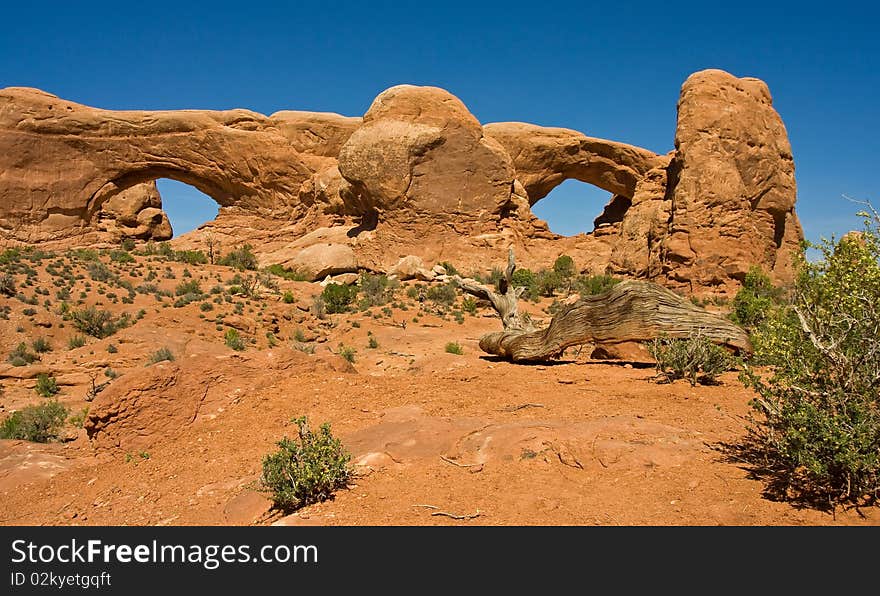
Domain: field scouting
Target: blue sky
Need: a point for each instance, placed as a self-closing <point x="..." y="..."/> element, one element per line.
<point x="609" y="69"/>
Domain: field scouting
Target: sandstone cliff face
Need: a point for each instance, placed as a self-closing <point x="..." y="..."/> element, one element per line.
<point x="417" y="175"/>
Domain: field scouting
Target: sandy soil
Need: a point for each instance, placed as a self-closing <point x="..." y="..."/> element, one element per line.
<point x="438" y="438"/>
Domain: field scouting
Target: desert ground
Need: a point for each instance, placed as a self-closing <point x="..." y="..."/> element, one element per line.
<point x="436" y="437"/>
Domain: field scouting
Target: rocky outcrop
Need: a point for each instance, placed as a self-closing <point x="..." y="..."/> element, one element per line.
<point x="417" y="175"/>
<point x="163" y="400"/>
<point x="135" y="212"/>
<point x="421" y="154"/>
<point x="732" y="188"/>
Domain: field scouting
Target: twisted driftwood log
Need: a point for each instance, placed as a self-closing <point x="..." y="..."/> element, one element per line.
<point x="630" y="311"/>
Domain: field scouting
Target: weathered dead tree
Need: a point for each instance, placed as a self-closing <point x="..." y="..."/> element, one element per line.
<point x="630" y="311"/>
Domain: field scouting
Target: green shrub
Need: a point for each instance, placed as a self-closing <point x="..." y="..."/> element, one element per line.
<point x="815" y="431"/>
<point x="375" y="290"/>
<point x="755" y="298"/>
<point x="234" y="340"/>
<point x="46" y="386"/>
<point x="449" y="267"/>
<point x="591" y="285"/>
<point x="94" y="322"/>
<point x="288" y="297"/>
<point x="442" y="293"/>
<point x="127" y="244"/>
<point x="76" y="341"/>
<point x="242" y="258"/>
<point x="524" y="278"/>
<point x="121" y="256"/>
<point x="372" y="343"/>
<point x="188" y="287"/>
<point x="161" y="355"/>
<point x="548" y="282"/>
<point x="347" y="352"/>
<point x="288" y="274"/>
<point x="469" y="304"/>
<point x="454" y="348"/>
<point x="337" y="297"/>
<point x="306" y="469"/>
<point x="696" y="359"/>
<point x="39" y="423"/>
<point x="564" y="266"/>
<point x="7" y="285"/>
<point x="20" y="356"/>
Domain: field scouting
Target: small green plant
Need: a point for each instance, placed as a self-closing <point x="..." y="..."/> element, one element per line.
<point x="454" y="347"/>
<point x="442" y="294"/>
<point x="94" y="322"/>
<point x="469" y="305"/>
<point x="188" y="287"/>
<point x="234" y="340"/>
<point x="46" y="385"/>
<point x="21" y="356"/>
<point x="338" y="297"/>
<point x="564" y="266"/>
<point x="299" y="335"/>
<point x="112" y="349"/>
<point x="449" y="267"/>
<point x="161" y="355"/>
<point x="695" y="358"/>
<point x="7" y="285"/>
<point x="242" y="258"/>
<point x="40" y="423"/>
<point x="288" y="274"/>
<point x="372" y="343"/>
<point x="376" y="290"/>
<point x="306" y="469"/>
<point x="76" y="341"/>
<point x="288" y="297"/>
<point x="41" y="345"/>
<point x="79" y="419"/>
<point x="755" y="299"/>
<point x="347" y="352"/>
<point x="591" y="285"/>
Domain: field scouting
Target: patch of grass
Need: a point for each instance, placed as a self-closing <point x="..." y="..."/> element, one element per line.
<point x="41" y="345"/>
<point x="306" y="469"/>
<point x="696" y="359"/>
<point x="21" y="356"/>
<point x="162" y="355"/>
<point x="454" y="347"/>
<point x="347" y="352"/>
<point x="242" y="258"/>
<point x="288" y="297"/>
<point x="288" y="274"/>
<point x="40" y="423"/>
<point x="234" y="340"/>
<point x="76" y="341"/>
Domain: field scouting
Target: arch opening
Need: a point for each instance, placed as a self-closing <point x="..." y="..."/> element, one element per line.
<point x="187" y="207"/>
<point x="574" y="207"/>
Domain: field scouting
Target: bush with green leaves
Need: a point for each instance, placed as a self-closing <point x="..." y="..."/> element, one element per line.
<point x="755" y="299"/>
<point x="338" y="297"/>
<point x="40" y="423"/>
<point x="242" y="258"/>
<point x="525" y="278"/>
<point x="21" y="356"/>
<point x="348" y="353"/>
<point x="592" y="285"/>
<point x="94" y="322"/>
<point x="442" y="293"/>
<point x="454" y="347"/>
<point x="7" y="285"/>
<point x="161" y="355"/>
<point x="694" y="358"/>
<point x="306" y="469"/>
<point x="46" y="385"/>
<point x="375" y="290"/>
<point x="234" y="340"/>
<point x="288" y="274"/>
<point x="564" y="266"/>
<point x="816" y="425"/>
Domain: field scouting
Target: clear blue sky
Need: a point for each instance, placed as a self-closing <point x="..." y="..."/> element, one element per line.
<point x="607" y="69"/>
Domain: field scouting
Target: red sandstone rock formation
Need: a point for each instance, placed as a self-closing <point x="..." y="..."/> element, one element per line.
<point x="418" y="176"/>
